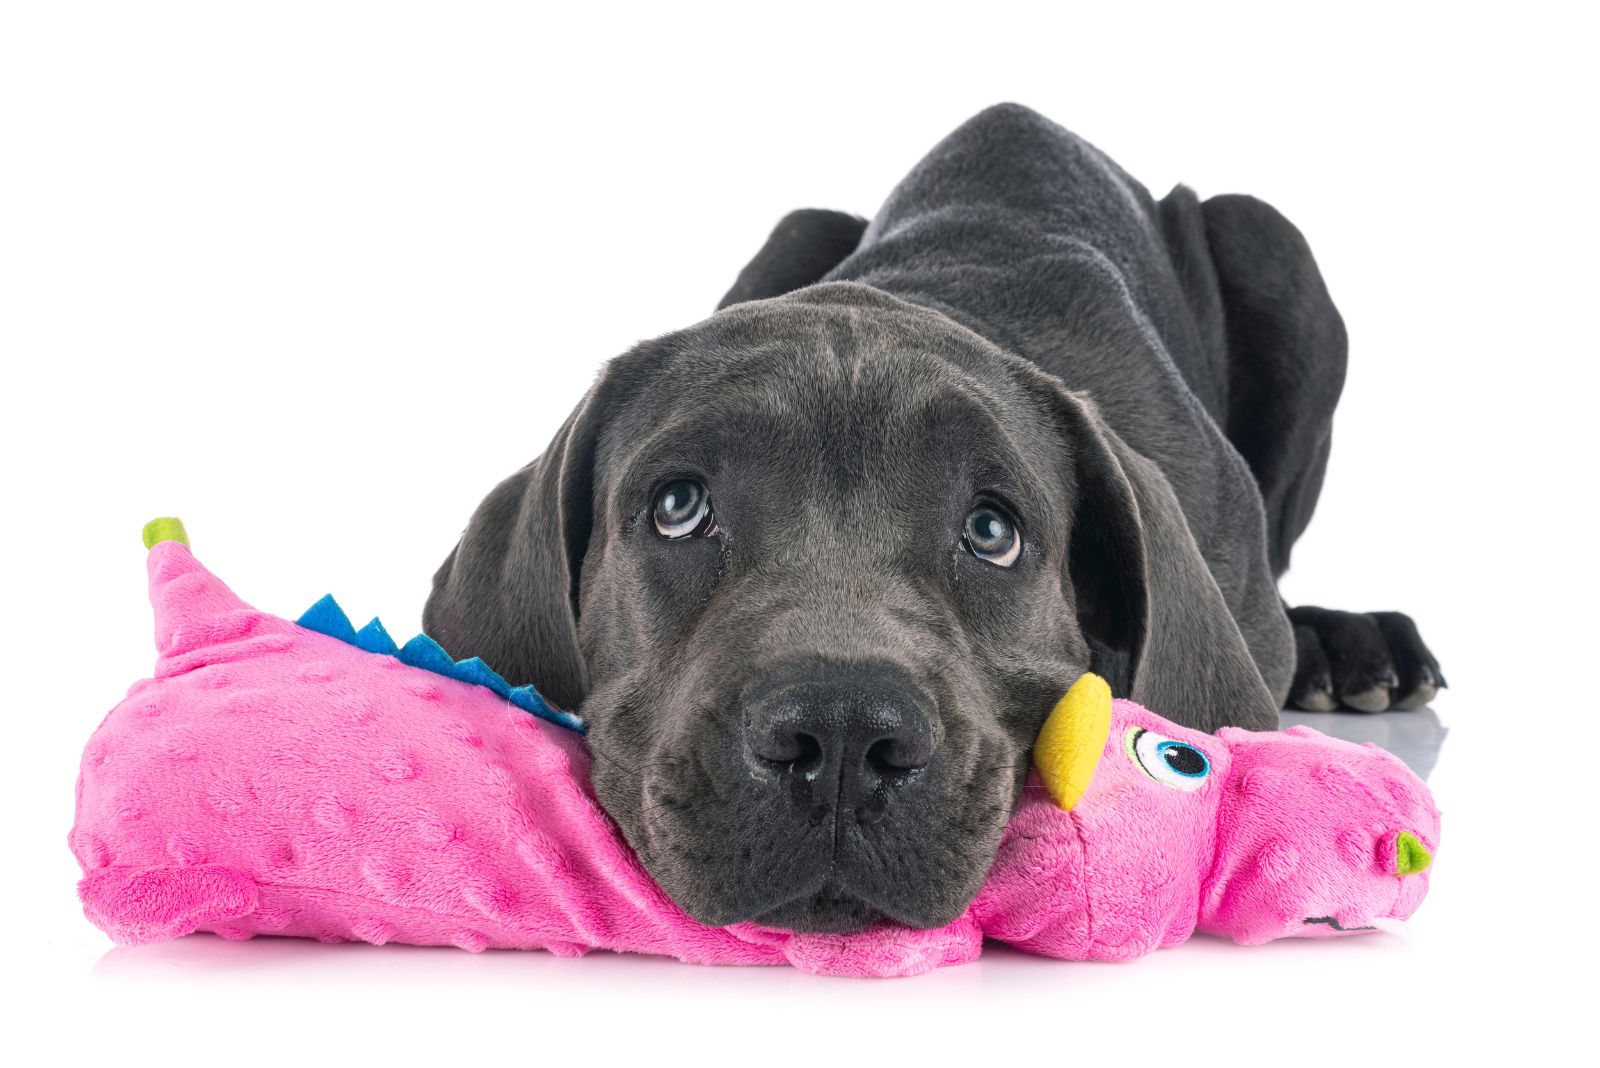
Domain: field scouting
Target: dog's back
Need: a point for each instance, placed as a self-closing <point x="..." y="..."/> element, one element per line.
<point x="1018" y="226"/>
<point x="1032" y="238"/>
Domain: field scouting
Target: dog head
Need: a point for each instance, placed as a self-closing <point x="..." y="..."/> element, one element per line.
<point x="816" y="570"/>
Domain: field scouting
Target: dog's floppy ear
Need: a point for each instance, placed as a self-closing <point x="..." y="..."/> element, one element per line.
<point x="1156" y="621"/>
<point x="508" y="591"/>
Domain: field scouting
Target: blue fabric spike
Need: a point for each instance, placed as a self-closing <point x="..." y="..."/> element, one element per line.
<point x="530" y="700"/>
<point x="375" y="639"/>
<point x="478" y="673"/>
<point x="425" y="653"/>
<point x="326" y="617"/>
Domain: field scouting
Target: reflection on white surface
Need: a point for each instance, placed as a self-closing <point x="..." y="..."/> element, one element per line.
<point x="401" y="1004"/>
<point x="1415" y="736"/>
<point x="214" y="963"/>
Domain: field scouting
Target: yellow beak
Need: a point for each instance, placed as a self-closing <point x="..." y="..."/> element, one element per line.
<point x="1072" y="739"/>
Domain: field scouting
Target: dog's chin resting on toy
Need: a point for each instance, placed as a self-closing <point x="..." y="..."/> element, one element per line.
<point x="828" y="911"/>
<point x="273" y="778"/>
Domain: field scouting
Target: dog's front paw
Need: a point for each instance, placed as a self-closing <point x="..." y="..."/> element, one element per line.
<point x="1367" y="661"/>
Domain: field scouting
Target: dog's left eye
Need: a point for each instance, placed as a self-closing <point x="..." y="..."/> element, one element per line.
<point x="683" y="510"/>
<point x="991" y="534"/>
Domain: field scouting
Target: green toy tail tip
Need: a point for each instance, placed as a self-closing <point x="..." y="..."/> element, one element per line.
<point x="167" y="528"/>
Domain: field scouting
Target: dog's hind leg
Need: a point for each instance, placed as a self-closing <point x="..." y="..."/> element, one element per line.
<point x="1285" y="353"/>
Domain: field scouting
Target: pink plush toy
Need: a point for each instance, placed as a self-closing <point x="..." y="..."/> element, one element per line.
<point x="274" y="778"/>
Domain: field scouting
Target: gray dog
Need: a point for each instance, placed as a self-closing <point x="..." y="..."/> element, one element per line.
<point x="817" y="568"/>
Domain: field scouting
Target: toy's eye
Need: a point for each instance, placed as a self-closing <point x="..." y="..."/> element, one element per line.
<point x="1177" y="764"/>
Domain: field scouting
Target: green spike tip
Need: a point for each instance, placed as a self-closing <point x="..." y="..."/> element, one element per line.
<point x="167" y="528"/>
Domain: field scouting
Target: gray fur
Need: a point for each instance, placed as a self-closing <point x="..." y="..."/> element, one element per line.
<point x="1020" y="319"/>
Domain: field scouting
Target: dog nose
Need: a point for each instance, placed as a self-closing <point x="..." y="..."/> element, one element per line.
<point x="857" y="734"/>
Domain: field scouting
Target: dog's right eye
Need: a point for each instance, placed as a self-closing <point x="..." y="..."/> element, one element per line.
<point x="683" y="510"/>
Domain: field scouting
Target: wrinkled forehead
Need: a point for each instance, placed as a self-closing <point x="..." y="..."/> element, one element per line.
<point x="848" y="395"/>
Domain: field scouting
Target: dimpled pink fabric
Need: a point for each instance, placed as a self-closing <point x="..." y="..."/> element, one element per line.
<point x="1285" y="832"/>
<point x="273" y="780"/>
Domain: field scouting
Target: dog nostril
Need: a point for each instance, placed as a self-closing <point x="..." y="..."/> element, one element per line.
<point x="808" y="754"/>
<point x="893" y="757"/>
<point x="793" y="751"/>
<point x="840" y="738"/>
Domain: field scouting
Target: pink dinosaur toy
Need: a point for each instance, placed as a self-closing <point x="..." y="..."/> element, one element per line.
<point x="276" y="778"/>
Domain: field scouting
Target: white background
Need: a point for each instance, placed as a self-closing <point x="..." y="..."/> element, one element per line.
<point x="316" y="276"/>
